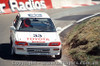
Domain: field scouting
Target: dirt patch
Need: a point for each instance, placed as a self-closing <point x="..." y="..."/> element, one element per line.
<point x="82" y="42"/>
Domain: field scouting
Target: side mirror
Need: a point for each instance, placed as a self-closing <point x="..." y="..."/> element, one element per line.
<point x="12" y="28"/>
<point x="58" y="29"/>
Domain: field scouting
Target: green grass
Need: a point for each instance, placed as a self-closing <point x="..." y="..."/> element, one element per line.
<point x="83" y="42"/>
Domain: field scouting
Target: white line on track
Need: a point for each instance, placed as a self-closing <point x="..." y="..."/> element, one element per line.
<point x="87" y="17"/>
<point x="77" y="22"/>
<point x="71" y="25"/>
<point x="59" y="61"/>
<point x="65" y="28"/>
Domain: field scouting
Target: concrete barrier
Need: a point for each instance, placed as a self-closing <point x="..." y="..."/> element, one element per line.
<point x="69" y="3"/>
<point x="13" y="6"/>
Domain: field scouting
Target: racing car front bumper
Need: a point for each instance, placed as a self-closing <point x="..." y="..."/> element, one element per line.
<point x="37" y="50"/>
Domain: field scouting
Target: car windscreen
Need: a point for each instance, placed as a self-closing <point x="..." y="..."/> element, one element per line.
<point x="37" y="25"/>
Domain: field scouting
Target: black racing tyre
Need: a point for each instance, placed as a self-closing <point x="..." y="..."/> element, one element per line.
<point x="13" y="53"/>
<point x="12" y="50"/>
<point x="10" y="43"/>
<point x="58" y="56"/>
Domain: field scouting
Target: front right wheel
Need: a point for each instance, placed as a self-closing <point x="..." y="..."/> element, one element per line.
<point x="58" y="56"/>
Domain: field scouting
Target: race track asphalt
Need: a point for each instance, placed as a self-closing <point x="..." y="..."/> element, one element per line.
<point x="60" y="17"/>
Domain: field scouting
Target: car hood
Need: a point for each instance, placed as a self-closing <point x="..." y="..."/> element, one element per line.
<point x="37" y="36"/>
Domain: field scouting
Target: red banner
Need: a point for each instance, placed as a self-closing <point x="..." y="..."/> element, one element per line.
<point x="12" y="6"/>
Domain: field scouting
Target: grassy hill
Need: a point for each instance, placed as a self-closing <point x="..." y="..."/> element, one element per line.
<point x="83" y="42"/>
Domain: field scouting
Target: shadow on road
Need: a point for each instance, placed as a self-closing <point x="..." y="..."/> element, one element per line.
<point x="72" y="17"/>
<point x="95" y="0"/>
<point x="5" y="54"/>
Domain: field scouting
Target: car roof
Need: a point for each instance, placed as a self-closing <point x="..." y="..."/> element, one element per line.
<point x="33" y="15"/>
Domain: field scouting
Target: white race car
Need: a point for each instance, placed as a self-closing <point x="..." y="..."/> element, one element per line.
<point x="33" y="33"/>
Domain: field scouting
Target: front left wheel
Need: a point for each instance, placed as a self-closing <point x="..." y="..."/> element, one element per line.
<point x="12" y="49"/>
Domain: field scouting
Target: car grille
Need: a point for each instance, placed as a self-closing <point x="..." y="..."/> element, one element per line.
<point x="38" y="44"/>
<point x="38" y="50"/>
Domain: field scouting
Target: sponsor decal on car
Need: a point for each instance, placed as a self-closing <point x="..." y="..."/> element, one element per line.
<point x="37" y="38"/>
<point x="35" y="15"/>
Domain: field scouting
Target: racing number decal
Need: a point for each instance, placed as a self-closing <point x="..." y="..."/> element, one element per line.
<point x="37" y="35"/>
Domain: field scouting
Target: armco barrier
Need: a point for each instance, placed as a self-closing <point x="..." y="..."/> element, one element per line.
<point x="12" y="6"/>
